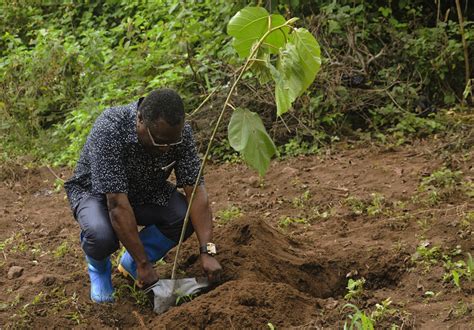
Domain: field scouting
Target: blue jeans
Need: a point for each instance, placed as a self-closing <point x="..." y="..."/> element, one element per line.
<point x="98" y="236"/>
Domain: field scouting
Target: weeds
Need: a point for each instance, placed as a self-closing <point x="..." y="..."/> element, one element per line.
<point x="376" y="206"/>
<point x="285" y="222"/>
<point x="440" y="185"/>
<point x="355" y="288"/>
<point x="458" y="270"/>
<point x="61" y="250"/>
<point x="427" y="256"/>
<point x="181" y="299"/>
<point x="228" y="214"/>
<point x="454" y="270"/>
<point x="300" y="202"/>
<point x="359" y="320"/>
<point x="383" y="311"/>
<point x="139" y="296"/>
<point x="296" y="147"/>
<point x="356" y="205"/>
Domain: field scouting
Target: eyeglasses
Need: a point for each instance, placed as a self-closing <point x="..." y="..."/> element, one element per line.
<point x="163" y="145"/>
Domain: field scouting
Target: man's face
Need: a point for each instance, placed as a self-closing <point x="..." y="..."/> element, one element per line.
<point x="159" y="136"/>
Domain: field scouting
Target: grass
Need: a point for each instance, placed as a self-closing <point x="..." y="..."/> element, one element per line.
<point x="139" y="297"/>
<point x="181" y="299"/>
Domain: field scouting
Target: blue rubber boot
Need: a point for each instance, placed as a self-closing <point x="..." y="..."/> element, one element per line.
<point x="156" y="246"/>
<point x="100" y="273"/>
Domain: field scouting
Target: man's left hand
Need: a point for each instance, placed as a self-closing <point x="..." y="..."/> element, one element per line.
<point x="211" y="267"/>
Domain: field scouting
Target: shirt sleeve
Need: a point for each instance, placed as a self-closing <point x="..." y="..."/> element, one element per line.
<point x="188" y="163"/>
<point x="106" y="160"/>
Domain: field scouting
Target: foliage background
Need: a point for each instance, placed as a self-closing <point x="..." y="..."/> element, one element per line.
<point x="391" y="70"/>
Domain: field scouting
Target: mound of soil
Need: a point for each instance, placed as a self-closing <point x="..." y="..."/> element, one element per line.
<point x="243" y="304"/>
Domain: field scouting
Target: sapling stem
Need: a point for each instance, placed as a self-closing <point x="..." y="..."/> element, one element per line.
<point x="206" y="155"/>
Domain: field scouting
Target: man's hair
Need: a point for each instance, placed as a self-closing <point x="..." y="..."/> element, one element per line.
<point x="163" y="103"/>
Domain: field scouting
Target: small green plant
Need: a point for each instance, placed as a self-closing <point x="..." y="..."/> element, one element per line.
<point x="36" y="300"/>
<point x="440" y="184"/>
<point x="356" y="205"/>
<point x="458" y="270"/>
<point x="355" y="288"/>
<point x="181" y="299"/>
<point x="9" y="241"/>
<point x="383" y="310"/>
<point x="139" y="296"/>
<point x="376" y="205"/>
<point x="61" y="250"/>
<point x="58" y="185"/>
<point x="285" y="222"/>
<point x="228" y="214"/>
<point x="270" y="326"/>
<point x="75" y="316"/>
<point x="296" y="147"/>
<point x="426" y="255"/>
<point x="443" y="178"/>
<point x="222" y="151"/>
<point x="300" y="202"/>
<point x="359" y="320"/>
<point x="467" y="220"/>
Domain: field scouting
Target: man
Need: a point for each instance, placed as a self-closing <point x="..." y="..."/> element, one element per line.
<point x="121" y="181"/>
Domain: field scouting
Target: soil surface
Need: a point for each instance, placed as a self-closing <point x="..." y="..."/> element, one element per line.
<point x="288" y="244"/>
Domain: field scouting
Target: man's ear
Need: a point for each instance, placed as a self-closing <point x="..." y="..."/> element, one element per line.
<point x="140" y="116"/>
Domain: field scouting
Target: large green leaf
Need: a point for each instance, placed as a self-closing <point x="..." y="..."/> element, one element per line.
<point x="299" y="62"/>
<point x="250" y="24"/>
<point x="248" y="136"/>
<point x="260" y="67"/>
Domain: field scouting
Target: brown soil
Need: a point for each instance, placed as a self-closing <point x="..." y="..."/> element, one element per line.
<point x="291" y="273"/>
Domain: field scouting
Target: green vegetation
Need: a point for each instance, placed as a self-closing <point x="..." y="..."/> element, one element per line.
<point x="228" y="214"/>
<point x="181" y="299"/>
<point x="355" y="288"/>
<point x="301" y="201"/>
<point x="382" y="312"/>
<point x="61" y="250"/>
<point x="286" y="222"/>
<point x="140" y="298"/>
<point x="440" y="185"/>
<point x="85" y="57"/>
<point x="376" y="205"/>
<point x="455" y="269"/>
<point x="359" y="320"/>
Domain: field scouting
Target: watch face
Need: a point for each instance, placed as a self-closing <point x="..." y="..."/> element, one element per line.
<point x="211" y="248"/>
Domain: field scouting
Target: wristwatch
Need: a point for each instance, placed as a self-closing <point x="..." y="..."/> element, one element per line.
<point x="209" y="248"/>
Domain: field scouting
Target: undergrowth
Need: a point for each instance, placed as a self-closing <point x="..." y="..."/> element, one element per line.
<point x="391" y="71"/>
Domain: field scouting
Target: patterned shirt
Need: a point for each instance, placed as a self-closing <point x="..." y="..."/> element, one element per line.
<point x="113" y="161"/>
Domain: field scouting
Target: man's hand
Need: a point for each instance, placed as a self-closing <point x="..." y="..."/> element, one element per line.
<point x="211" y="268"/>
<point x="146" y="275"/>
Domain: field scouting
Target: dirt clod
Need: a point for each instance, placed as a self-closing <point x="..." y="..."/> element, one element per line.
<point x="289" y="171"/>
<point x="15" y="272"/>
<point x="46" y="280"/>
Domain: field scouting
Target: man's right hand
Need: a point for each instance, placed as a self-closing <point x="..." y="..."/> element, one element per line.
<point x="146" y="275"/>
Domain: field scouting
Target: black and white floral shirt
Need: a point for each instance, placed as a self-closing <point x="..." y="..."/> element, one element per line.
<point x="113" y="161"/>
